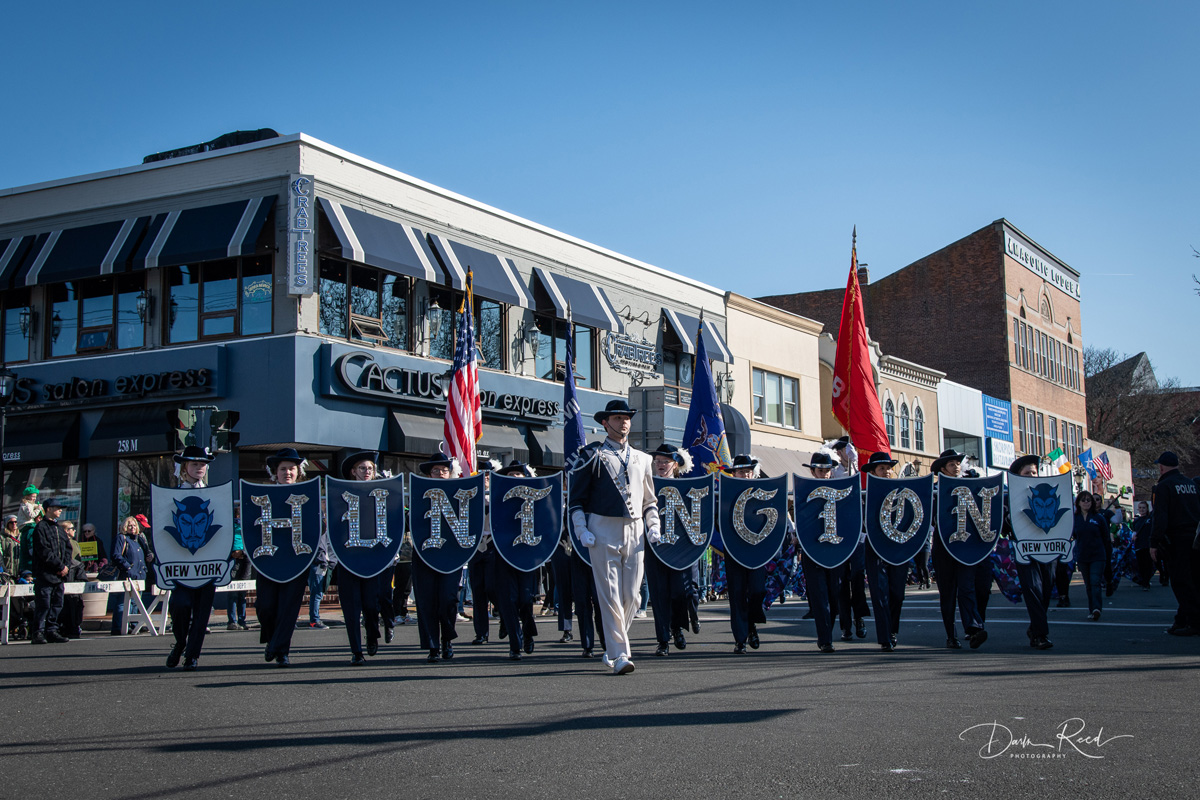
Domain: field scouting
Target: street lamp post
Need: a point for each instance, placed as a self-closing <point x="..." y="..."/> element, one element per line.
<point x="8" y="385"/>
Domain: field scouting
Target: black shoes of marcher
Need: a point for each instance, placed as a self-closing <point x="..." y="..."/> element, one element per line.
<point x="752" y="640"/>
<point x="953" y="644"/>
<point x="808" y="614"/>
<point x="191" y="664"/>
<point x="587" y="652"/>
<point x="1182" y="630"/>
<point x="38" y="638"/>
<point x="739" y="649"/>
<point x="174" y="656"/>
<point x="895" y="642"/>
<point x="432" y="658"/>
<point x="54" y="637"/>
<point x="847" y="636"/>
<point x="283" y="660"/>
<point x="268" y="656"/>
<point x="566" y="637"/>
<point x="1041" y="643"/>
<point x="680" y="642"/>
<point x="528" y="644"/>
<point x="860" y="628"/>
<point x="372" y="646"/>
<point x="977" y="638"/>
<point x="503" y="632"/>
<point x="358" y="660"/>
<point x="479" y="640"/>
<point x="662" y="649"/>
<point x="696" y="626"/>
<point x="514" y="655"/>
<point x="887" y="648"/>
<point x="826" y="648"/>
<point x="388" y="635"/>
<point x="447" y="651"/>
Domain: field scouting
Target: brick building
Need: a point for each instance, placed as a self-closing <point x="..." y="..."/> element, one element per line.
<point x="993" y="311"/>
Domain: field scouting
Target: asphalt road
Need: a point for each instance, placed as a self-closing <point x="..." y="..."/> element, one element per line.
<point x="102" y="718"/>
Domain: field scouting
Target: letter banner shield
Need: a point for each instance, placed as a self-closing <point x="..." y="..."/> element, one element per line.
<point x="828" y="518"/>
<point x="686" y="508"/>
<point x="899" y="516"/>
<point x="1043" y="517"/>
<point x="446" y="520"/>
<point x="192" y="534"/>
<point x="753" y="518"/>
<point x="365" y="521"/>
<point x="281" y="527"/>
<point x="970" y="512"/>
<point x="527" y="519"/>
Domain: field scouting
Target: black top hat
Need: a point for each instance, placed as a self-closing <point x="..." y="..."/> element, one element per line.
<point x="618" y="406"/>
<point x="286" y="454"/>
<point x="946" y="457"/>
<point x="194" y="453"/>
<point x="821" y="460"/>
<point x="486" y="464"/>
<point x="517" y="466"/>
<point x="437" y="459"/>
<point x="1019" y="464"/>
<point x="1168" y="459"/>
<point x="354" y="459"/>
<point x="743" y="461"/>
<point x="841" y="443"/>
<point x="667" y="450"/>
<point x="880" y="458"/>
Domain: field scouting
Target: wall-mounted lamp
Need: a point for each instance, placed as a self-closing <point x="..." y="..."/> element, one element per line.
<point x="145" y="306"/>
<point x="434" y="315"/>
<point x="28" y="320"/>
<point x="626" y="314"/>
<point x="725" y="385"/>
<point x="56" y="324"/>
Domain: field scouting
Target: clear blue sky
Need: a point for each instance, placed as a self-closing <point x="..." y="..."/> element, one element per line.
<point x="734" y="143"/>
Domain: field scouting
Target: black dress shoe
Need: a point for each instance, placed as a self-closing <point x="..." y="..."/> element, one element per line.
<point x="887" y="648"/>
<point x="447" y="651"/>
<point x="662" y="649"/>
<point x="953" y="644"/>
<point x="752" y="639"/>
<point x="808" y="614"/>
<point x="680" y="642"/>
<point x="566" y="637"/>
<point x="696" y="626"/>
<point x="528" y="644"/>
<point x="358" y="660"/>
<point x="388" y="635"/>
<point x="503" y="632"/>
<point x="739" y="649"/>
<point x="826" y="648"/>
<point x="174" y="656"/>
<point x="1183" y="630"/>
<point x="480" y="640"/>
<point x="268" y="656"/>
<point x="860" y="628"/>
<point x="372" y="646"/>
<point x="40" y="638"/>
<point x="191" y="664"/>
<point x="847" y="636"/>
<point x="587" y="652"/>
<point x="977" y="638"/>
<point x="283" y="660"/>
<point x="514" y="655"/>
<point x="54" y="637"/>
<point x="1041" y="643"/>
<point x="432" y="658"/>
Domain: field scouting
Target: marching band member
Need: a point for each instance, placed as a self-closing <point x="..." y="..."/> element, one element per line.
<point x="516" y="589"/>
<point x="190" y="607"/>
<point x="436" y="593"/>
<point x="481" y="570"/>
<point x="821" y="583"/>
<point x="747" y="587"/>
<point x="359" y="597"/>
<point x="852" y="598"/>
<point x="885" y="581"/>
<point x="674" y="594"/>
<point x="1037" y="578"/>
<point x="278" y="604"/>
<point x="955" y="580"/>
<point x="614" y="510"/>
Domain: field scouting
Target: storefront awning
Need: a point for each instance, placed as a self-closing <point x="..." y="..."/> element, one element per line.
<point x="132" y="432"/>
<point x="685" y="327"/>
<point x="494" y="277"/>
<point x="18" y="256"/>
<point x="503" y="442"/>
<point x="225" y="230"/>
<point x="383" y="243"/>
<point x="775" y="461"/>
<point x="414" y="434"/>
<point x="41" y="437"/>
<point x="589" y="304"/>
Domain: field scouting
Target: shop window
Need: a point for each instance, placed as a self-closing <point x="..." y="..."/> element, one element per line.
<point x="364" y="304"/>
<point x="905" y="427"/>
<point x="331" y="294"/>
<point x="219" y="299"/>
<point x="550" y="351"/>
<point x="17" y="325"/>
<point x="95" y="315"/>
<point x="135" y="476"/>
<point x="919" y="427"/>
<point x="677" y="369"/>
<point x="889" y="420"/>
<point x="776" y="399"/>
<point x="443" y="314"/>
<point x="56" y="480"/>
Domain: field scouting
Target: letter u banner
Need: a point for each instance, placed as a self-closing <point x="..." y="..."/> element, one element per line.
<point x="685" y="509"/>
<point x="527" y="519"/>
<point x="753" y="518"/>
<point x="281" y="527"/>
<point x="192" y="534"/>
<point x="365" y="520"/>
<point x="899" y="516"/>
<point x="970" y="512"/>
<point x="446" y="520"/>
<point x="828" y="518"/>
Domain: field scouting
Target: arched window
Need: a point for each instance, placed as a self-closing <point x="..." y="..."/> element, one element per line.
<point x="889" y="421"/>
<point x="905" y="427"/>
<point x="919" y="420"/>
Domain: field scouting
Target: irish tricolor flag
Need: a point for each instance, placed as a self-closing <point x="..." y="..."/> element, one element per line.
<point x="1058" y="461"/>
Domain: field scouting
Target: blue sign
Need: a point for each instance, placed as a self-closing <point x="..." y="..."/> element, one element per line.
<point x="997" y="418"/>
<point x="527" y="517"/>
<point x="753" y="518"/>
<point x="365" y="523"/>
<point x="686" y="511"/>
<point x="899" y="516"/>
<point x="281" y="527"/>
<point x="970" y="512"/>
<point x="446" y="520"/>
<point x="829" y="517"/>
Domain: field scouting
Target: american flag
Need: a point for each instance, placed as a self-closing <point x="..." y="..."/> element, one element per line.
<point x="464" y="411"/>
<point x="1103" y="467"/>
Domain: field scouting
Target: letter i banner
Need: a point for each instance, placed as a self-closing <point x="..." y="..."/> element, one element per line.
<point x="753" y="518"/>
<point x="970" y="512"/>
<point x="899" y="516"/>
<point x="686" y="509"/>
<point x="1042" y="517"/>
<point x="281" y="527"/>
<point x="527" y="519"/>
<point x="192" y="534"/>
<point x="365" y="523"/>
<point x="829" y="518"/>
<point x="446" y="520"/>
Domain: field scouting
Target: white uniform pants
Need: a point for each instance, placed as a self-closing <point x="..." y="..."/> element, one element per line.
<point x="617" y="566"/>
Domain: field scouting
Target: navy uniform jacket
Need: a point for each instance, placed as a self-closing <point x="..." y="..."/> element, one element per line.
<point x="594" y="489"/>
<point x="1176" y="510"/>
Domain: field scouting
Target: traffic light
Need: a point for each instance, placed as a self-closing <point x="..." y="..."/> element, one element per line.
<point x="182" y="422"/>
<point x="221" y="424"/>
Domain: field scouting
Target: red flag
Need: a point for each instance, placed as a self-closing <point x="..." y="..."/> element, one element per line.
<point x="855" y="400"/>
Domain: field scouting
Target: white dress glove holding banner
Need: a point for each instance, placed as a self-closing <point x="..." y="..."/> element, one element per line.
<point x="579" y="520"/>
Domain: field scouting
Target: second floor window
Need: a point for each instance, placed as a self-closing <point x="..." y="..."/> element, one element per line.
<point x="776" y="399"/>
<point x="889" y="421"/>
<point x="94" y="315"/>
<point x="550" y="357"/>
<point x="219" y="299"/>
<point x="919" y="427"/>
<point x="17" y="322"/>
<point x="489" y="327"/>
<point x="905" y="427"/>
<point x="677" y="370"/>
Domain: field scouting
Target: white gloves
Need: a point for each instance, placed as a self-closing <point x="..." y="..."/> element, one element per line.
<point x="579" y="520"/>
<point x="653" y="536"/>
<point x="653" y="525"/>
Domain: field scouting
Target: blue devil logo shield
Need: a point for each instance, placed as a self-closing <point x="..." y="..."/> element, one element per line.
<point x="192" y="534"/>
<point x="970" y="512"/>
<point x="828" y="518"/>
<point x="281" y="527"/>
<point x="446" y="520"/>
<point x="527" y="519"/>
<point x="899" y="516"/>
<point x="1041" y="517"/>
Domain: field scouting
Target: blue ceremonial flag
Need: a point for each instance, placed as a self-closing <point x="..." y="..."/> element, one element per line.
<point x="573" y="435"/>
<point x="704" y="433"/>
<point x="1086" y="461"/>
